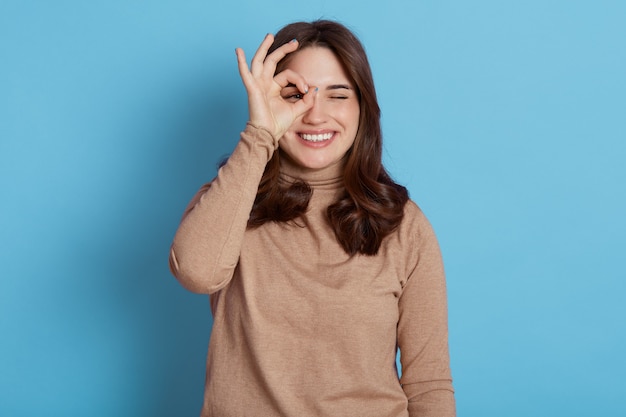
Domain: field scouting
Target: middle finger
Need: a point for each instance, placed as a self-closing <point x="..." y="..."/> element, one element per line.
<point x="272" y="60"/>
<point x="256" y="65"/>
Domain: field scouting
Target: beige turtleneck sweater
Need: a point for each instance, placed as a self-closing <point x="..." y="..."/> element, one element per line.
<point x="300" y="328"/>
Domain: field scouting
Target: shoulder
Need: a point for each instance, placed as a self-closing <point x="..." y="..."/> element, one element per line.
<point x="421" y="246"/>
<point x="412" y="210"/>
<point x="412" y="228"/>
<point x="416" y="232"/>
<point x="411" y="241"/>
<point x="415" y="221"/>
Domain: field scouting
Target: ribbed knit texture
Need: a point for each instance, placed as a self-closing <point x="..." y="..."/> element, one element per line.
<point x="301" y="328"/>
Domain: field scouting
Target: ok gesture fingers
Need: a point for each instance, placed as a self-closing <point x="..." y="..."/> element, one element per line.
<point x="267" y="108"/>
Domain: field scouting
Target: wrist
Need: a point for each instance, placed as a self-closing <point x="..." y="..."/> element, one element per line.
<point x="274" y="138"/>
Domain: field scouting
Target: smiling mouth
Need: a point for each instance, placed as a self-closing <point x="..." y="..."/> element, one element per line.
<point x="316" y="138"/>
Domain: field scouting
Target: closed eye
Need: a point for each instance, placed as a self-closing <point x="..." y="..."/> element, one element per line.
<point x="340" y="91"/>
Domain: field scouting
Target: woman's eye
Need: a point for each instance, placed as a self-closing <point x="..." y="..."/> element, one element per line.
<point x="339" y="97"/>
<point x="292" y="96"/>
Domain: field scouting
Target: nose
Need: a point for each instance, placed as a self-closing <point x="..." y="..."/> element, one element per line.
<point x="316" y="114"/>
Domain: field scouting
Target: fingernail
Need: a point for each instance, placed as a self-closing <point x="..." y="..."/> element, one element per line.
<point x="294" y="40"/>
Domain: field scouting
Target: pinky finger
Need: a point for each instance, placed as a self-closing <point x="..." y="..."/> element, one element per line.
<point x="242" y="64"/>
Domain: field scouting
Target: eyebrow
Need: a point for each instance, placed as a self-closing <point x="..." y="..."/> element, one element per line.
<point x="330" y="87"/>
<point x="339" y="87"/>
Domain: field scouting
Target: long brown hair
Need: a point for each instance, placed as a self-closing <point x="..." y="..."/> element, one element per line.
<point x="372" y="205"/>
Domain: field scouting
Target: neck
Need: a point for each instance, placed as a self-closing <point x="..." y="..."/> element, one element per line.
<point x="330" y="176"/>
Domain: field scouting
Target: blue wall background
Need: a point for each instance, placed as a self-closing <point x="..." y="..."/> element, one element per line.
<point x="506" y="119"/>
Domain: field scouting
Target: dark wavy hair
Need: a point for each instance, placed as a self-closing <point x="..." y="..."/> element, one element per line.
<point x="372" y="205"/>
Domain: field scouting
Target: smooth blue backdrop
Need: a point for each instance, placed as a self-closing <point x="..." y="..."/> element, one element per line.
<point x="506" y="119"/>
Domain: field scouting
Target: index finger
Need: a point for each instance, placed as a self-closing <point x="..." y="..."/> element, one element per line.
<point x="272" y="60"/>
<point x="289" y="77"/>
<point x="256" y="65"/>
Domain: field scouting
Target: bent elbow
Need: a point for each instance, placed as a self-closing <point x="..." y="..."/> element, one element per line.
<point x="197" y="279"/>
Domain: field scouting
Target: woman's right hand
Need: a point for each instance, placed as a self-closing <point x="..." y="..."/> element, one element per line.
<point x="267" y="108"/>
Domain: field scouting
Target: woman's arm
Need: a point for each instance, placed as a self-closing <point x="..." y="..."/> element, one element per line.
<point x="207" y="244"/>
<point x="423" y="329"/>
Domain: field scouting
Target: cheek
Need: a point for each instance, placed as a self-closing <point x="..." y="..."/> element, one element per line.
<point x="355" y="121"/>
<point x="355" y="114"/>
<point x="349" y="117"/>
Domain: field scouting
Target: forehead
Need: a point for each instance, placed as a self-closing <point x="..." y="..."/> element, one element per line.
<point x="319" y="66"/>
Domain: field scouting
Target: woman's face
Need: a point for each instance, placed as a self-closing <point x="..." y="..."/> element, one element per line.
<point x="321" y="136"/>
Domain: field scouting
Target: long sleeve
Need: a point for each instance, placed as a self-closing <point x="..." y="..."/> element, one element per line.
<point x="423" y="330"/>
<point x="207" y="244"/>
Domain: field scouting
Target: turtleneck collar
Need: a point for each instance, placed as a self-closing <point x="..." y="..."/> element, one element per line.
<point x="330" y="177"/>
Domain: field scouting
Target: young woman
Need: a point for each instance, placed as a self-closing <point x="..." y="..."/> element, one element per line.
<point x="318" y="265"/>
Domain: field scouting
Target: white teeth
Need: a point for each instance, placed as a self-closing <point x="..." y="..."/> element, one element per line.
<point x="316" y="138"/>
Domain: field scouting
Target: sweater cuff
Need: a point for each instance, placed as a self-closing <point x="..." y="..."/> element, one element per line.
<point x="262" y="133"/>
